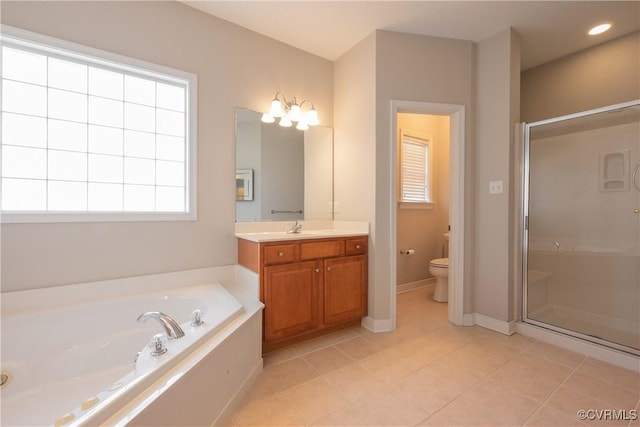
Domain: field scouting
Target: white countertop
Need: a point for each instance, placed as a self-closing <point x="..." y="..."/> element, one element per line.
<point x="276" y="230"/>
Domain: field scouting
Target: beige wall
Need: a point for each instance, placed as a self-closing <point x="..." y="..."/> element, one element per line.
<point x="423" y="229"/>
<point x="235" y="68"/>
<point x="497" y="105"/>
<point x="388" y="66"/>
<point x="606" y="74"/>
<point x="354" y="134"/>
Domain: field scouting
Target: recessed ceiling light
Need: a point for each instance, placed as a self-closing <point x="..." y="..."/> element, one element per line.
<point x="600" y="28"/>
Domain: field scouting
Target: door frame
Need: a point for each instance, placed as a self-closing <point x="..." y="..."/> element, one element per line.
<point x="458" y="190"/>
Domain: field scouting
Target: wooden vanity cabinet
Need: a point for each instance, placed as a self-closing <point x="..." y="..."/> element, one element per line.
<point x="309" y="287"/>
<point x="290" y="294"/>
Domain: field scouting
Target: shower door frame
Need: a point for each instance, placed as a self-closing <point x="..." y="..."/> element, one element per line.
<point x="526" y="132"/>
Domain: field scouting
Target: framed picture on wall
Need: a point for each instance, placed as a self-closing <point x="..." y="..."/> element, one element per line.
<point x="244" y="184"/>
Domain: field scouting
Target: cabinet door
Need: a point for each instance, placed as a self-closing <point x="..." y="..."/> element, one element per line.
<point x="291" y="299"/>
<point x="345" y="293"/>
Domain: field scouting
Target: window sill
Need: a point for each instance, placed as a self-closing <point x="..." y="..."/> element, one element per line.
<point x="26" y="218"/>
<point x="416" y="205"/>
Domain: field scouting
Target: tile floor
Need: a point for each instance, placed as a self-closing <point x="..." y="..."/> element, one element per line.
<point x="431" y="373"/>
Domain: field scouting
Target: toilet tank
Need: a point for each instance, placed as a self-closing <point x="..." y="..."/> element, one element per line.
<point x="445" y="245"/>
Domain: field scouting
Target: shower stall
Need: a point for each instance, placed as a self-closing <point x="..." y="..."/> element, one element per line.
<point x="581" y="241"/>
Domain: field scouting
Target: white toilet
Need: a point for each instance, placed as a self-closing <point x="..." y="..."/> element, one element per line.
<point x="439" y="268"/>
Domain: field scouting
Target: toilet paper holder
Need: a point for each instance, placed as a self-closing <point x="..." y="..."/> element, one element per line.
<point x="407" y="252"/>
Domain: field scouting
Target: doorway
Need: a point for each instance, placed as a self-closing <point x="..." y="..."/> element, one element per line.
<point x="423" y="199"/>
<point x="456" y="115"/>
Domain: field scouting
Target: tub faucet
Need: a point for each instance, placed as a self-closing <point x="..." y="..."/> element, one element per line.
<point x="557" y="245"/>
<point x="171" y="327"/>
<point x="295" y="228"/>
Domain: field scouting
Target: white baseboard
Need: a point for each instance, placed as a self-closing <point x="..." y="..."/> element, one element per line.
<point x="468" y="320"/>
<point x="377" y="325"/>
<point x="406" y="287"/>
<point x="506" y="328"/>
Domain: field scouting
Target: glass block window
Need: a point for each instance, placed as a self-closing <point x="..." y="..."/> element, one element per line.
<point x="87" y="134"/>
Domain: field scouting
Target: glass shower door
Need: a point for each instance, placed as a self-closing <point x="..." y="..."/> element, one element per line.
<point x="582" y="225"/>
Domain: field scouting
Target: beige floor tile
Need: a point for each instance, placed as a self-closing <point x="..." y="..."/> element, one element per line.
<point x="384" y="407"/>
<point x="542" y="367"/>
<point x="466" y="413"/>
<point x="271" y="411"/>
<point x="281" y="376"/>
<point x="570" y="402"/>
<point x="429" y="391"/>
<point x="602" y="390"/>
<point x="327" y="359"/>
<point x="314" y="400"/>
<point x="386" y="339"/>
<point x="556" y="354"/>
<point x="513" y="406"/>
<point x="453" y="372"/>
<point x="515" y="341"/>
<point x="310" y="345"/>
<point x="263" y="387"/>
<point x="608" y="372"/>
<point x="476" y="357"/>
<point x="495" y="348"/>
<point x="340" y="336"/>
<point x="359" y="348"/>
<point x="391" y="364"/>
<point x="415" y="328"/>
<point x="525" y="380"/>
<point x="351" y="415"/>
<point x="455" y="336"/>
<point x="549" y="417"/>
<point x="354" y="381"/>
<point x="278" y="356"/>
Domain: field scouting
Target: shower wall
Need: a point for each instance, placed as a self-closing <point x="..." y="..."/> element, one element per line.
<point x="566" y="203"/>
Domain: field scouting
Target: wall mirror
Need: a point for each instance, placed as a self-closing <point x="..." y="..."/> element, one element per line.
<point x="282" y="174"/>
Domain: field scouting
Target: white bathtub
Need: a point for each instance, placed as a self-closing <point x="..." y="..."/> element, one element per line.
<point x="74" y="364"/>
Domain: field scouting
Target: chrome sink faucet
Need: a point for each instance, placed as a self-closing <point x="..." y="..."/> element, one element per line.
<point x="295" y="228"/>
<point x="171" y="327"/>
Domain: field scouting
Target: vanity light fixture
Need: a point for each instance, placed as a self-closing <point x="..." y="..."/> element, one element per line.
<point x="600" y="28"/>
<point x="291" y="112"/>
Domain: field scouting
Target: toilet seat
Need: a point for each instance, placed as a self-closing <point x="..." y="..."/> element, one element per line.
<point x="440" y="262"/>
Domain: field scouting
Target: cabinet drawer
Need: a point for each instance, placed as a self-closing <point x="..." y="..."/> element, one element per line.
<point x="321" y="249"/>
<point x="277" y="254"/>
<point x="356" y="246"/>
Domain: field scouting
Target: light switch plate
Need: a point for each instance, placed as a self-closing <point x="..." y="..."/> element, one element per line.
<point x="495" y="187"/>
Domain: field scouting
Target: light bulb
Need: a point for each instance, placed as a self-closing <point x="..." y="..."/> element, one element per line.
<point x="312" y="117"/>
<point x="294" y="112"/>
<point x="599" y="29"/>
<point x="267" y="118"/>
<point x="285" y="122"/>
<point x="302" y="125"/>
<point x="276" y="108"/>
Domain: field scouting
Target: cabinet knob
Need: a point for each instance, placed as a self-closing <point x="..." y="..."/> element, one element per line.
<point x="317" y="270"/>
<point x="280" y="253"/>
<point x="328" y="268"/>
<point x="357" y="246"/>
